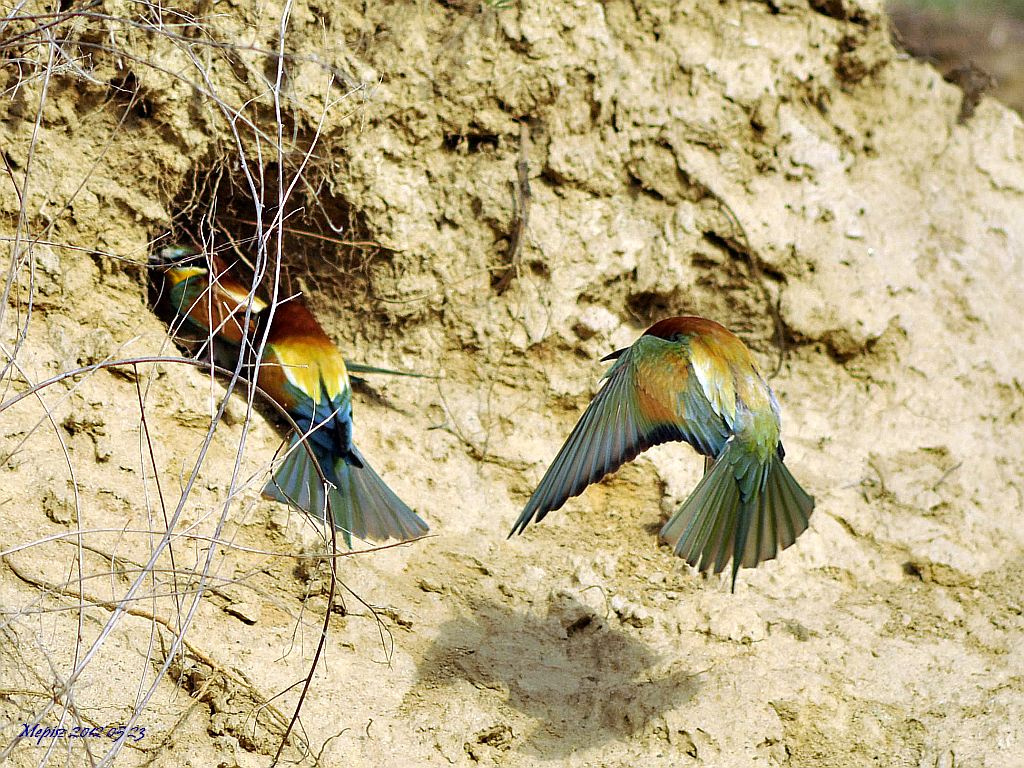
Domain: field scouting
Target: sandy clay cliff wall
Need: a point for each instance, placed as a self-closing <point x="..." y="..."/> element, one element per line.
<point x="777" y="166"/>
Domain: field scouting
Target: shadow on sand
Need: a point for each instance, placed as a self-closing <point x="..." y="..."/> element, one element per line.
<point x="584" y="682"/>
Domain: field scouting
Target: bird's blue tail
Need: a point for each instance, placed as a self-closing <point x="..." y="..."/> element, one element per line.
<point x="361" y="504"/>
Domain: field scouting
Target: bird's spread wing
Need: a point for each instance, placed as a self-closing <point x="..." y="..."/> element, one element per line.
<point x="651" y="396"/>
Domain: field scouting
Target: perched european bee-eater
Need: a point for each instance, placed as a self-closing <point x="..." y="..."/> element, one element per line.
<point x="303" y="370"/>
<point x="690" y="379"/>
<point x="216" y="304"/>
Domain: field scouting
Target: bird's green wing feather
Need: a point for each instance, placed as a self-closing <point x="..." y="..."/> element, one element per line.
<point x="639" y="406"/>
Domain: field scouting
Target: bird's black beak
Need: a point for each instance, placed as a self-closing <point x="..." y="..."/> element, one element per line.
<point x="614" y="355"/>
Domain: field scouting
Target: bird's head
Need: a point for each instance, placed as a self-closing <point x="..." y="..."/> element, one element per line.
<point x="676" y="329"/>
<point x="680" y="328"/>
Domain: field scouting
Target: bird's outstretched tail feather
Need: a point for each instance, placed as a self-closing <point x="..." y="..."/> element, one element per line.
<point x="361" y="504"/>
<point x="740" y="510"/>
<point x="297" y="482"/>
<point x="366" y="506"/>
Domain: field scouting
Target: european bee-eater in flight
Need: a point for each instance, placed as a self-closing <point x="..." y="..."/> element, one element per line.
<point x="690" y="379"/>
